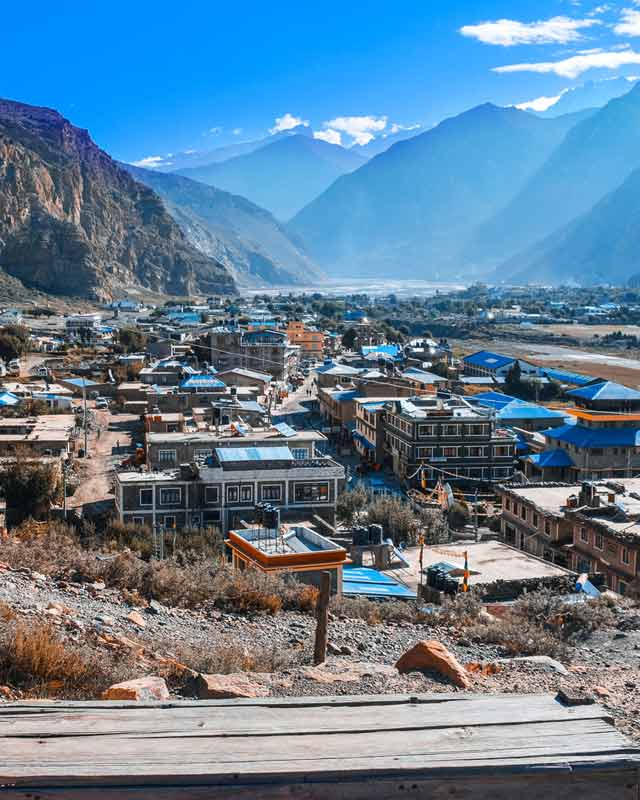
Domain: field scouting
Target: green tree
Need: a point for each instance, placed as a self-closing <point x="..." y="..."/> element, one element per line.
<point x="30" y="488"/>
<point x="132" y="340"/>
<point x="14" y="341"/>
<point x="352" y="503"/>
<point x="349" y="338"/>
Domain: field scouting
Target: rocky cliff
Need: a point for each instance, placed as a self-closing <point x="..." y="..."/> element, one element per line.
<point x="72" y="221"/>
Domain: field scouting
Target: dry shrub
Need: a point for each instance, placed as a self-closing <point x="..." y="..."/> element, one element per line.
<point x="519" y="638"/>
<point x="181" y="582"/>
<point x="460" y="611"/>
<point x="569" y="621"/>
<point x="6" y="613"/>
<point x="375" y="612"/>
<point x="35" y="660"/>
<point x="233" y="657"/>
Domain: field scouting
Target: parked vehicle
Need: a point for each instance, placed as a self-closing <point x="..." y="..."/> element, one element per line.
<point x="102" y="403"/>
<point x="14" y="366"/>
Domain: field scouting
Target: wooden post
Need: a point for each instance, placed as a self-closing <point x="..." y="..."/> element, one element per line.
<point x="322" y="617"/>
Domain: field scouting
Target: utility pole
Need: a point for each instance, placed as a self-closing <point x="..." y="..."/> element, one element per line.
<point x="322" y="617"/>
<point x="84" y="402"/>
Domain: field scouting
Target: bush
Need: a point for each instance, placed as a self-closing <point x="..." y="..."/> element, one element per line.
<point x="519" y="638"/>
<point x="34" y="659"/>
<point x="401" y="523"/>
<point x="234" y="657"/>
<point x="375" y="612"/>
<point x="460" y="611"/>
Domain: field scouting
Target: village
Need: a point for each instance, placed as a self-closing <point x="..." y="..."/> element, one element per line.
<point x="291" y="496"/>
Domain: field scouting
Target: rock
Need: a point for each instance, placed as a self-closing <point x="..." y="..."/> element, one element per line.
<point x="574" y="697"/>
<point x="149" y="688"/>
<point x="345" y="650"/>
<point x="433" y="655"/>
<point x="105" y="619"/>
<point x="545" y="663"/>
<point x="98" y="586"/>
<point x="236" y="684"/>
<point x="333" y="649"/>
<point x="601" y="691"/>
<point x="155" y="607"/>
<point x="340" y="671"/>
<point x="136" y="618"/>
<point x="6" y="692"/>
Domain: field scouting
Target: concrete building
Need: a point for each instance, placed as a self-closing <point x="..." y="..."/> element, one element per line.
<point x="226" y="492"/>
<point x="83" y="326"/>
<point x="484" y="362"/>
<point x="599" y="445"/>
<point x="310" y="340"/>
<point x="294" y="549"/>
<point x="265" y="351"/>
<point x="46" y="435"/>
<point x="606" y="396"/>
<point x="438" y="436"/>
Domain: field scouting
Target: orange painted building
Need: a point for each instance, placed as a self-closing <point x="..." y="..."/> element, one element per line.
<point x="292" y="549"/>
<point x="310" y="341"/>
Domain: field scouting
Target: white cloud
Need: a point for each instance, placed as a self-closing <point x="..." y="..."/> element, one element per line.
<point x="396" y="127"/>
<point x="152" y="162"/>
<point x="286" y="122"/>
<point x="540" y="103"/>
<point x="328" y="135"/>
<point x="361" y="129"/>
<point x="215" y="130"/>
<point x="629" y="24"/>
<point x="509" y="32"/>
<point x="575" y="65"/>
<point x="236" y="131"/>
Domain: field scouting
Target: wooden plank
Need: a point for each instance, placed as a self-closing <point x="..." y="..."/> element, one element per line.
<point x="274" y="721"/>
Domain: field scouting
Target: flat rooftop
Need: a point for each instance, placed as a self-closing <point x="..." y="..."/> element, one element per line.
<point x="249" y="434"/>
<point x="488" y="562"/>
<point x="551" y="499"/>
<point x="290" y="540"/>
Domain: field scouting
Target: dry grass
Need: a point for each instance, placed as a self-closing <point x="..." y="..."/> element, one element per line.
<point x="234" y="657"/>
<point x="37" y="662"/>
<point x="375" y="612"/>
<point x="184" y="581"/>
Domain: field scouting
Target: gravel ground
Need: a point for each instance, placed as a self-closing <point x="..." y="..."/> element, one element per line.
<point x="606" y="666"/>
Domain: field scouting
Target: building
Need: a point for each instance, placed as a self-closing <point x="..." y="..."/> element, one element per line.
<point x="310" y="340"/>
<point x="246" y="377"/>
<point x="170" y="448"/>
<point x="514" y="413"/>
<point x="368" y="436"/>
<point x="46" y="435"/>
<point x="436" y="436"/>
<point x="533" y="519"/>
<point x="606" y="396"/>
<point x="486" y="363"/>
<point x="598" y="445"/>
<point x="294" y="549"/>
<point x="606" y="533"/>
<point x="265" y="351"/>
<point x="83" y="326"/>
<point x="226" y="491"/>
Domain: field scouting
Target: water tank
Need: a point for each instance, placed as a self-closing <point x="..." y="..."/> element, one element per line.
<point x="361" y="536"/>
<point x="375" y="534"/>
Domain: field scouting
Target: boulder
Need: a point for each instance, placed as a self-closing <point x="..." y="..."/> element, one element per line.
<point x="544" y="663"/>
<point x="149" y="688"/>
<point x="236" y="684"/>
<point x="433" y="655"/>
<point x="341" y="671"/>
<point x="137" y="619"/>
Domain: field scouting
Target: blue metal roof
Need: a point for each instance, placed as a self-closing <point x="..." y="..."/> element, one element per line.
<point x="606" y="390"/>
<point x="564" y="376"/>
<point x="581" y="436"/>
<point x="80" y="382"/>
<point x="519" y="410"/>
<point x="236" y="454"/>
<point x="8" y="399"/>
<point x="492" y="399"/>
<point x="488" y="360"/>
<point x="345" y="394"/>
<point x="385" y="349"/>
<point x="366" y="582"/>
<point x="202" y="382"/>
<point x="551" y="458"/>
<point x="284" y="429"/>
<point x="422" y="376"/>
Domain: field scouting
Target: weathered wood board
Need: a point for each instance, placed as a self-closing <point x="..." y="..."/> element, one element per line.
<point x="455" y="746"/>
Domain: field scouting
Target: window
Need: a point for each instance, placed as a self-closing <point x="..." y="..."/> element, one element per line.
<point x="424" y="452"/>
<point x="476" y="452"/>
<point x="450" y="452"/>
<point x="300" y="453"/>
<point x="625" y="556"/>
<point x="547" y="527"/>
<point x="584" y="536"/>
<point x="232" y="494"/>
<point x="271" y="492"/>
<point x="170" y="496"/>
<point x="425" y="430"/>
<point x="599" y="541"/>
<point x="507" y="504"/>
<point x="311" y="492"/>
<point x="146" y="497"/>
<point x="169" y="522"/>
<point x="166" y="456"/>
<point x="523" y="512"/>
<point x="502" y="451"/>
<point x="211" y="495"/>
<point x="535" y="520"/>
<point x="622" y="587"/>
<point x="476" y="430"/>
<point x="138" y="520"/>
<point x="449" y="430"/>
<point x="246" y="494"/>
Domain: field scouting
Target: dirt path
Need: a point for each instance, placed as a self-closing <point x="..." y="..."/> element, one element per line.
<point x="108" y="447"/>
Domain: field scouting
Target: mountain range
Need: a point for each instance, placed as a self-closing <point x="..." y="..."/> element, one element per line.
<point x="282" y="176"/>
<point x="72" y="221"/>
<point x="246" y="239"/>
<point x="412" y="207"/>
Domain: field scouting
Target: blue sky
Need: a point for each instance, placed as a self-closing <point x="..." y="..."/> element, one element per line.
<point x="149" y="79"/>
